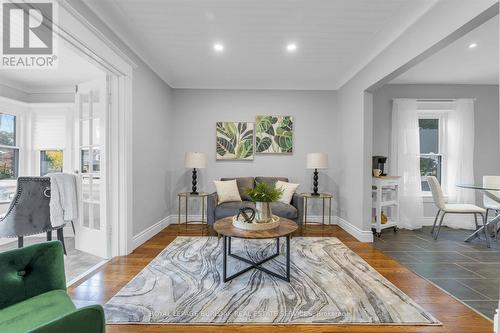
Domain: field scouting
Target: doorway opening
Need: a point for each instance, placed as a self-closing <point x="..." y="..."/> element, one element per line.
<point x="55" y="121"/>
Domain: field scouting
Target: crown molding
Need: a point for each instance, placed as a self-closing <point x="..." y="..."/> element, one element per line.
<point x="76" y="14"/>
<point x="105" y="11"/>
<point x="27" y="89"/>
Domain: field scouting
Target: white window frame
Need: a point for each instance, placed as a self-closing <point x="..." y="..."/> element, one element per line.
<point x="18" y="146"/>
<point x="38" y="165"/>
<point x="441" y="115"/>
<point x="34" y="168"/>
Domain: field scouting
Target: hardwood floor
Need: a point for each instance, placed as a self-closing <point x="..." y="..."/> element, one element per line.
<point x="455" y="316"/>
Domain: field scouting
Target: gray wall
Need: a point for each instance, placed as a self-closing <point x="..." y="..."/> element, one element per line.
<point x="152" y="123"/>
<point x="193" y="129"/>
<point x="486" y="120"/>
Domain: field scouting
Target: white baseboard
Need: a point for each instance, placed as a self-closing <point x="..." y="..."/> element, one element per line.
<point x="361" y="235"/>
<point x="145" y="235"/>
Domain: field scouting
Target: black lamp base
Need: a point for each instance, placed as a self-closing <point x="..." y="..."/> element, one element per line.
<point x="315" y="183"/>
<point x="193" y="188"/>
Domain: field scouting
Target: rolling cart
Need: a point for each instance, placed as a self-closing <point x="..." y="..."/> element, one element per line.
<point x="385" y="197"/>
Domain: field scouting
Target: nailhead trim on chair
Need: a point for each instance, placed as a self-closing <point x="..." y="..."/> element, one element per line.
<point x="13" y="203"/>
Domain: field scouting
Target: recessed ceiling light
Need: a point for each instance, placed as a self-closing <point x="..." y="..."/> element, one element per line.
<point x="218" y="47"/>
<point x="472" y="45"/>
<point x="291" y="47"/>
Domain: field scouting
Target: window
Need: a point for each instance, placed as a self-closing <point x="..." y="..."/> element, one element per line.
<point x="9" y="152"/>
<point x="51" y="161"/>
<point x="431" y="158"/>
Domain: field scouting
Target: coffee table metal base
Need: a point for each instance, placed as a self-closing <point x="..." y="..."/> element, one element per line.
<point x="255" y="265"/>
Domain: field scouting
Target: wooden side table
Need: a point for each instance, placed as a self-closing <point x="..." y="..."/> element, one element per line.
<point x="322" y="196"/>
<point x="186" y="196"/>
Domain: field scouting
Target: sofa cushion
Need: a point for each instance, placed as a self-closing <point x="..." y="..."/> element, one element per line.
<point x="35" y="311"/>
<point x="284" y="210"/>
<point x="231" y="208"/>
<point x="288" y="191"/>
<point x="270" y="180"/>
<point x="227" y="191"/>
<point x="243" y="184"/>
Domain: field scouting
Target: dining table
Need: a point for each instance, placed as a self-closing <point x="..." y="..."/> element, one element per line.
<point x="492" y="192"/>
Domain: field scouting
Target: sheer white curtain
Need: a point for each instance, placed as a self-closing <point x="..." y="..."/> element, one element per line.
<point x="459" y="152"/>
<point x="404" y="160"/>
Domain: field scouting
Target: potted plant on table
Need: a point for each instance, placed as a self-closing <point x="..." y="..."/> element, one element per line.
<point x="263" y="194"/>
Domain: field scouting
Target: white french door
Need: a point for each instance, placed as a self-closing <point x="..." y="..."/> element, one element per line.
<point x="92" y="109"/>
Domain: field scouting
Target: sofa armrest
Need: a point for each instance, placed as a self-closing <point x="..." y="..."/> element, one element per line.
<point x="31" y="271"/>
<point x="211" y="204"/>
<point x="89" y="319"/>
<point x="298" y="203"/>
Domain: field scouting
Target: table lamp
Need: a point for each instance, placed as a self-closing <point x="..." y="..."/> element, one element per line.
<point x="195" y="161"/>
<point x="316" y="161"/>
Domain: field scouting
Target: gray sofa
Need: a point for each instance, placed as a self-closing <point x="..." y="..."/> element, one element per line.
<point x="215" y="211"/>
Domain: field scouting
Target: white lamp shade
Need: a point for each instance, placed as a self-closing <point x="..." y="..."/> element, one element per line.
<point x="196" y="160"/>
<point x="317" y="161"/>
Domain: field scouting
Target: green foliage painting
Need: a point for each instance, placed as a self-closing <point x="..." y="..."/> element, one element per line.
<point x="274" y="134"/>
<point x="234" y="141"/>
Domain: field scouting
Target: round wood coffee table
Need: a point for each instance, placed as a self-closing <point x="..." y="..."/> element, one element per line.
<point x="225" y="228"/>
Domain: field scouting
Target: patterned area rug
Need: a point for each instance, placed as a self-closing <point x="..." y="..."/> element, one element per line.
<point x="329" y="284"/>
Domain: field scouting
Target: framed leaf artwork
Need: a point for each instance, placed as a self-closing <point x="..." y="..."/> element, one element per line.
<point x="274" y="134"/>
<point x="235" y="140"/>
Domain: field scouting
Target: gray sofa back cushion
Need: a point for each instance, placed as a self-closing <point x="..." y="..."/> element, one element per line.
<point x="270" y="180"/>
<point x="243" y="183"/>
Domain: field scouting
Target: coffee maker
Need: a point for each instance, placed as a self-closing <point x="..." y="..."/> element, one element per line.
<point x="378" y="162"/>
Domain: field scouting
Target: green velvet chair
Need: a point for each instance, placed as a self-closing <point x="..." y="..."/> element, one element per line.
<point x="33" y="294"/>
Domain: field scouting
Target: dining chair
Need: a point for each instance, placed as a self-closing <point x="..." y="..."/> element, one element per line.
<point x="445" y="208"/>
<point x="488" y="203"/>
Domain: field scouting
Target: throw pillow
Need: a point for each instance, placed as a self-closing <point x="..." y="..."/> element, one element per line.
<point x="227" y="190"/>
<point x="288" y="191"/>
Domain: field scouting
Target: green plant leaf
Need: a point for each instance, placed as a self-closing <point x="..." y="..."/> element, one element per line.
<point x="242" y="127"/>
<point x="286" y="123"/>
<point x="264" y="192"/>
<point x="224" y="146"/>
<point x="264" y="123"/>
<point x="284" y="140"/>
<point x="231" y="130"/>
<point x="261" y="145"/>
<point x="248" y="135"/>
<point x="220" y="128"/>
<point x="244" y="149"/>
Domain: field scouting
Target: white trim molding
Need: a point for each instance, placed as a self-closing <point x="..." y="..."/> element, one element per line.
<point x="150" y="232"/>
<point x="361" y="235"/>
<point x="80" y="35"/>
<point x="144" y="236"/>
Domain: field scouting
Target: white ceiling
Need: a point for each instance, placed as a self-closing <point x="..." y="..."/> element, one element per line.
<point x="458" y="64"/>
<point x="335" y="38"/>
<point x="71" y="70"/>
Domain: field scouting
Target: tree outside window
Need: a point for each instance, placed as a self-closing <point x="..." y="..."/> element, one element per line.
<point x="51" y="161"/>
<point x="9" y="153"/>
